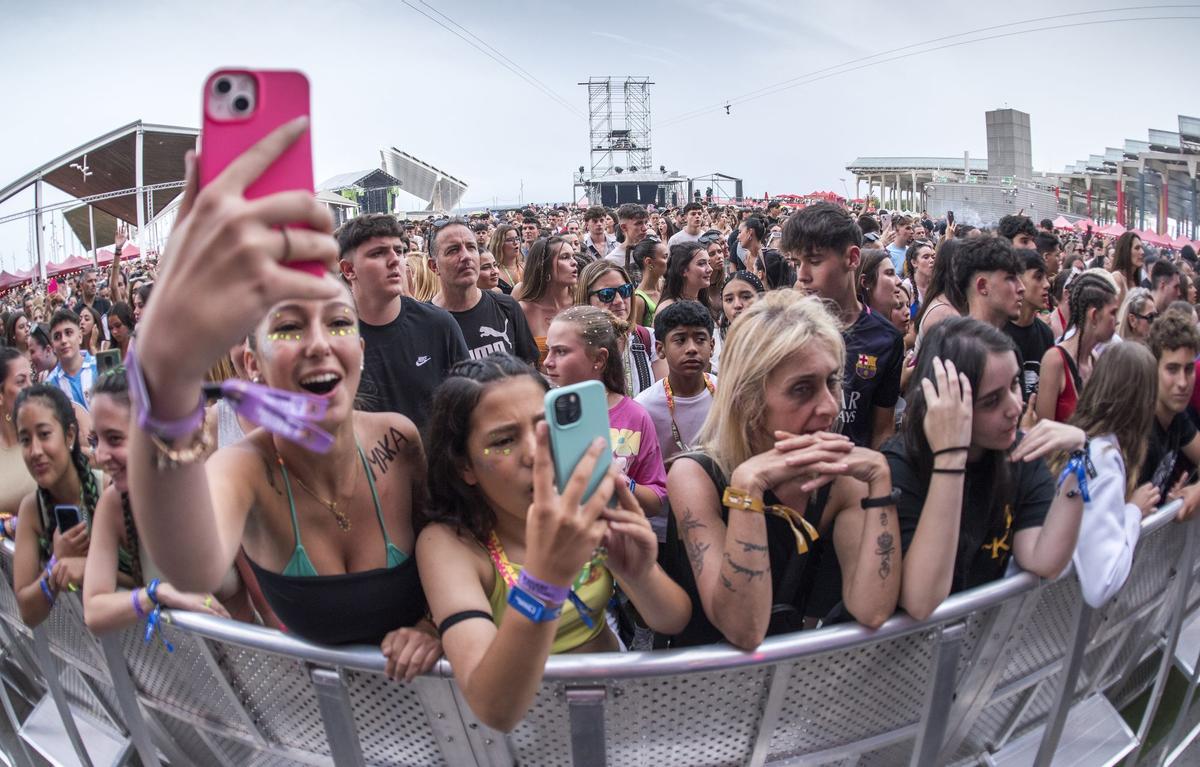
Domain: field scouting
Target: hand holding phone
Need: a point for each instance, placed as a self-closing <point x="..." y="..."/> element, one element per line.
<point x="563" y="530"/>
<point x="577" y="415"/>
<point x="241" y="107"/>
<point x="223" y="244"/>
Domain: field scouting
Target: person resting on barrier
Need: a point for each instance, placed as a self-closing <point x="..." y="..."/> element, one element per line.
<point x="49" y="559"/>
<point x="1118" y="427"/>
<point x="760" y="510"/>
<point x="1174" y="449"/>
<point x="584" y="344"/>
<point x="114" y="545"/>
<point x="503" y="539"/>
<point x="324" y="502"/>
<point x="974" y="493"/>
<point x="15" y="480"/>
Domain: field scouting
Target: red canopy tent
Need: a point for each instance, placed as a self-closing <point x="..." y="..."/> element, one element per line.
<point x="1083" y="223"/>
<point x="8" y="281"/>
<point x="1112" y="230"/>
<point x="1154" y="238"/>
<point x="72" y="264"/>
<point x="127" y="252"/>
<point x="1062" y="223"/>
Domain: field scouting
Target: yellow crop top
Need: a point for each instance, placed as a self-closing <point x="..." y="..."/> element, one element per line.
<point x="595" y="591"/>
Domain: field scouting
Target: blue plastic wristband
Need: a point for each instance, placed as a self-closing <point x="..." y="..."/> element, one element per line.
<point x="152" y="591"/>
<point x="531" y="607"/>
<point x="46" y="591"/>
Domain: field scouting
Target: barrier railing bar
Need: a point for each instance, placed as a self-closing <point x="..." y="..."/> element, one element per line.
<point x="126" y="694"/>
<point x="939" y="695"/>
<point x="1177" y="726"/>
<point x="851" y="750"/>
<point x="41" y="649"/>
<point x="442" y="714"/>
<point x="776" y="689"/>
<point x="1029" y="695"/>
<point x="492" y="748"/>
<point x="1177" y="601"/>
<point x="987" y="667"/>
<point x="22" y="758"/>
<point x="216" y="749"/>
<point x="585" y="711"/>
<point x="1022" y="685"/>
<point x="1065" y="695"/>
<point x="165" y="742"/>
<point x="334" y="703"/>
<point x="204" y="647"/>
<point x="16" y="650"/>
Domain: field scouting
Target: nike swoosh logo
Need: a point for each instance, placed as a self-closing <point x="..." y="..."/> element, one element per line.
<point x="422" y="360"/>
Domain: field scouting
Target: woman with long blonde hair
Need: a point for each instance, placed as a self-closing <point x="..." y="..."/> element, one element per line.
<point x="505" y="245"/>
<point x="774" y="488"/>
<point x="422" y="282"/>
<point x="607" y="286"/>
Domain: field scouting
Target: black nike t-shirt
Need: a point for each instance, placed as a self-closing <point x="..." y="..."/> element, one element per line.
<point x="874" y="356"/>
<point x="1165" y="461"/>
<point x="405" y="360"/>
<point x="985" y="544"/>
<point x="1031" y="342"/>
<point x="497" y="324"/>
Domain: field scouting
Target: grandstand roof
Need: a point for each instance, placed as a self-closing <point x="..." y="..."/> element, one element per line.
<point x="867" y="164"/>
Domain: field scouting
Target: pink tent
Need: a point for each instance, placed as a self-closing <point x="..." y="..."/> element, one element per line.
<point x="1179" y="242"/>
<point x="1062" y="223"/>
<point x="72" y="264"/>
<point x="1083" y="223"/>
<point x="11" y="280"/>
<point x="1154" y="238"/>
<point x="127" y="252"/>
<point x="1112" y="230"/>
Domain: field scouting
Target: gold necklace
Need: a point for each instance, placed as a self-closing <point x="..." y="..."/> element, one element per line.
<point x="343" y="521"/>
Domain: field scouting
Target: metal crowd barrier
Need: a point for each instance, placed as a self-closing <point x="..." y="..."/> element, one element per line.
<point x="1017" y="672"/>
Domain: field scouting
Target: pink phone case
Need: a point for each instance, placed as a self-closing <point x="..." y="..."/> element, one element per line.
<point x="282" y="97"/>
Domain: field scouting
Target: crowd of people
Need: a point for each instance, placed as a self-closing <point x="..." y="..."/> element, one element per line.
<point x="817" y="415"/>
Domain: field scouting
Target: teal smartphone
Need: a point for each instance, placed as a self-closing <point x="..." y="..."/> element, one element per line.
<point x="576" y="415"/>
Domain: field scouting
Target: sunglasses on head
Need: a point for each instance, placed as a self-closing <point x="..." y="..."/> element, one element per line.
<point x="709" y="237"/>
<point x="607" y="295"/>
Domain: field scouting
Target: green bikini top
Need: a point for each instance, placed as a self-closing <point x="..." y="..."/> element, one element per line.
<point x="651" y="306"/>
<point x="299" y="564"/>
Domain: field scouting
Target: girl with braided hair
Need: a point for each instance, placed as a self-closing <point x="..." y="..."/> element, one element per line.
<point x="1067" y="366"/>
<point x="115" y="547"/>
<point x="49" y="560"/>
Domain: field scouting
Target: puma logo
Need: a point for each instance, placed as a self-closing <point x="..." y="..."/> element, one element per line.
<point x="486" y="332"/>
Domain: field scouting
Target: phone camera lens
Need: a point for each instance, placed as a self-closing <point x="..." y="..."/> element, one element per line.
<point x="241" y="104"/>
<point x="223" y="86"/>
<point x="567" y="409"/>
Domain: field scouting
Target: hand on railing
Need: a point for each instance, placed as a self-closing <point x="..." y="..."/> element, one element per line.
<point x="1190" y="496"/>
<point x="169" y="596"/>
<point x="1145" y="498"/>
<point x="410" y="652"/>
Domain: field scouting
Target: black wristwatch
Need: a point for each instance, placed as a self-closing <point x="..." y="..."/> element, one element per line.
<point x="882" y="501"/>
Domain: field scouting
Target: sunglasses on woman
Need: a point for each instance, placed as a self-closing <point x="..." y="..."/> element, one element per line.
<point x="607" y="295"/>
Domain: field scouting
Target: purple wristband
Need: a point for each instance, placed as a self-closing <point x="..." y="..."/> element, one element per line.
<point x="550" y="594"/>
<point x="165" y="430"/>
<point x="137" y="604"/>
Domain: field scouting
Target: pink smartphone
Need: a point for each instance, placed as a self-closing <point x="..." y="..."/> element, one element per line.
<point x="241" y="106"/>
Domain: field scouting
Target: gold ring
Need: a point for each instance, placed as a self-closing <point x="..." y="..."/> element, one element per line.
<point x="287" y="244"/>
<point x="208" y="601"/>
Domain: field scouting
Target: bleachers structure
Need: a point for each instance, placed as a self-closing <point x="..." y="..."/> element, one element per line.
<point x="1019" y="672"/>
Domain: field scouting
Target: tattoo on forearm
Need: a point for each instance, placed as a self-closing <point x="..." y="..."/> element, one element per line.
<point x="885" y="547"/>
<point x="385" y="451"/>
<point x="747" y="546"/>
<point x="696" y="552"/>
<point x="690" y="522"/>
<point x="749" y="572"/>
<point x="727" y="583"/>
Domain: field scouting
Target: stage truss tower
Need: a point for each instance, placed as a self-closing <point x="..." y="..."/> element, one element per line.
<point x="619" y="125"/>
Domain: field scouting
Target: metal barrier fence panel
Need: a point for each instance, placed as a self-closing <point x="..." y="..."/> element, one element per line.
<point x="986" y="668"/>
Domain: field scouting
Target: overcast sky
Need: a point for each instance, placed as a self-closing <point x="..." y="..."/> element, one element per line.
<point x="384" y="75"/>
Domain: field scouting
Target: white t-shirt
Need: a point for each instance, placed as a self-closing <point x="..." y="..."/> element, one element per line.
<point x="682" y="236"/>
<point x="690" y="413"/>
